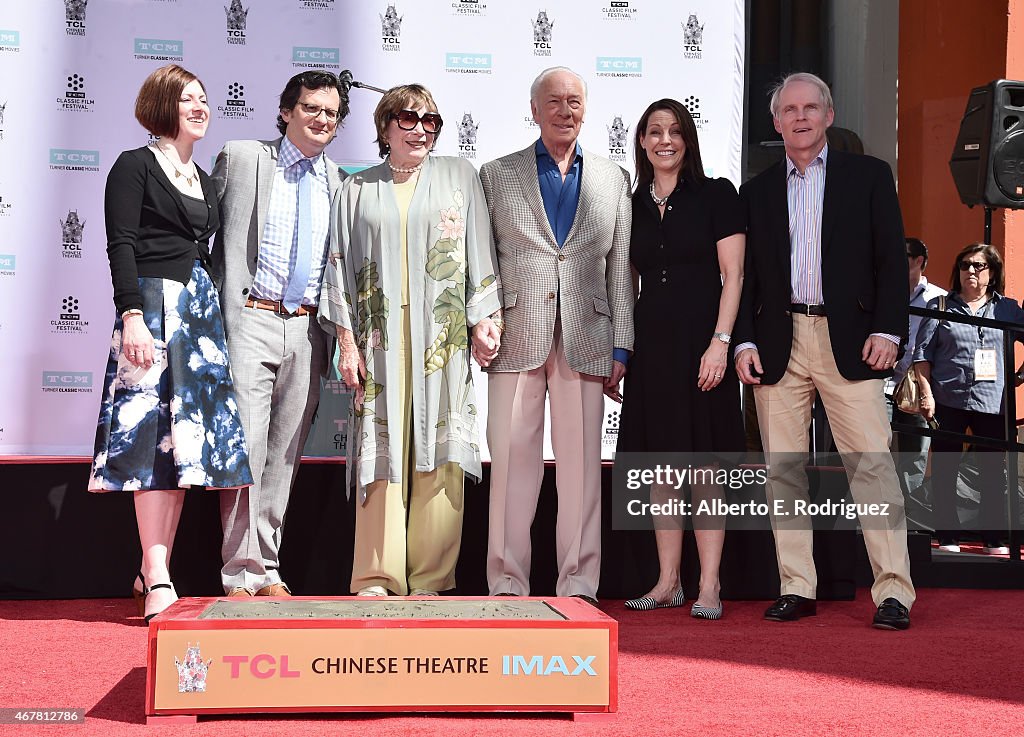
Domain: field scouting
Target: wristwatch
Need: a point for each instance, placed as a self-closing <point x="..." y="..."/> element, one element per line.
<point x="724" y="337"/>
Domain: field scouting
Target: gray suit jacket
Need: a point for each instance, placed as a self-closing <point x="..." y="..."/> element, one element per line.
<point x="586" y="283"/>
<point x="244" y="177"/>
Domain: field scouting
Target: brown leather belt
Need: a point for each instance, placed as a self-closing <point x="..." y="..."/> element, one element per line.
<point x="274" y="305"/>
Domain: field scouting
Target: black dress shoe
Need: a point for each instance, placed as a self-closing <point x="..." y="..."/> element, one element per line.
<point x="589" y="599"/>
<point x="790" y="607"/>
<point x="891" y="615"/>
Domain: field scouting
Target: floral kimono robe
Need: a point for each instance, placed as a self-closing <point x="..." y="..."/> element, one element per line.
<point x="452" y="285"/>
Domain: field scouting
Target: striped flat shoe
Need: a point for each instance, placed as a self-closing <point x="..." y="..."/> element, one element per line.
<point x="706" y="612"/>
<point x="647" y="603"/>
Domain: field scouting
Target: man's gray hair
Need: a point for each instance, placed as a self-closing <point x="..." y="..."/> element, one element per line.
<point x="539" y="81"/>
<point x="812" y="79"/>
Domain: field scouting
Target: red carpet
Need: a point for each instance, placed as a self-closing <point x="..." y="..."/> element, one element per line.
<point x="958" y="671"/>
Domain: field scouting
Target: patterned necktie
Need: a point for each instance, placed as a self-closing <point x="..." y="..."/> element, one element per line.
<point x="300" y="274"/>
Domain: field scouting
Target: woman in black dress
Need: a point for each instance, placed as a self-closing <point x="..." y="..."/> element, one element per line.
<point x="681" y="394"/>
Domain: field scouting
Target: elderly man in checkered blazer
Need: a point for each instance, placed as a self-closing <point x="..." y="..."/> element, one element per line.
<point x="561" y="218"/>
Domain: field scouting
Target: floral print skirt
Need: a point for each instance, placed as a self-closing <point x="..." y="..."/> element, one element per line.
<point x="175" y="425"/>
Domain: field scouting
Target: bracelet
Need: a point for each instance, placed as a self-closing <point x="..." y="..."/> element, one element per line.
<point x="133" y="311"/>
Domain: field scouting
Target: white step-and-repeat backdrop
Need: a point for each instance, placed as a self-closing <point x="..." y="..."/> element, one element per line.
<point x="70" y="70"/>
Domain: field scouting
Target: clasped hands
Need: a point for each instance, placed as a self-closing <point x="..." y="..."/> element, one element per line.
<point x="486" y="340"/>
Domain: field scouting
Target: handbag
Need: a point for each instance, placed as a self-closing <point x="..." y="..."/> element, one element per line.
<point x="907" y="394"/>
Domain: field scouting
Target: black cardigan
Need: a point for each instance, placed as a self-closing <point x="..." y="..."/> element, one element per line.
<point x="148" y="230"/>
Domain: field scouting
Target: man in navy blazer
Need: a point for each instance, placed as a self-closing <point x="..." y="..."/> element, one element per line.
<point x="824" y="312"/>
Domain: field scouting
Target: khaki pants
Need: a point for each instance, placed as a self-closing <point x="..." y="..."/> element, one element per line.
<point x="857" y="415"/>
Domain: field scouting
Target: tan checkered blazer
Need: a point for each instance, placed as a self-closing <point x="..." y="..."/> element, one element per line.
<point x="586" y="282"/>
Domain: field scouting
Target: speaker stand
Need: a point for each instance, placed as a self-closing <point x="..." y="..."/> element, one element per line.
<point x="988" y="225"/>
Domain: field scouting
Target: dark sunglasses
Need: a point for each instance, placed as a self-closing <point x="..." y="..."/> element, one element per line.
<point x="978" y="266"/>
<point x="407" y="120"/>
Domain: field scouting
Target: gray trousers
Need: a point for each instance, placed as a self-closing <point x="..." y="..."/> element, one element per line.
<point x="276" y="363"/>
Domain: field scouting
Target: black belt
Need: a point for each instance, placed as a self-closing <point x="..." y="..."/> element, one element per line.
<point x="810" y="310"/>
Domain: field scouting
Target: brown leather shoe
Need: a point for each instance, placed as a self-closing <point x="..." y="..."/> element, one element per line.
<point x="274" y="589"/>
<point x="240" y="593"/>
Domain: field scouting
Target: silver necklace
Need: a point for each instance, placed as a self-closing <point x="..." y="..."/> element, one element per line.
<point x="659" y="201"/>
<point x="178" y="172"/>
<point x="403" y="170"/>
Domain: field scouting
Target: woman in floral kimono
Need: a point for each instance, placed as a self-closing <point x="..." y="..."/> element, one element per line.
<point x="411" y="288"/>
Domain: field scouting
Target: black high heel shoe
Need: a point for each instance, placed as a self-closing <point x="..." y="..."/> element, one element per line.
<point x="140" y="594"/>
<point x="153" y="588"/>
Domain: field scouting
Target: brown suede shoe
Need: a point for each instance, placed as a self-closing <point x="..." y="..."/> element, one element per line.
<point x="240" y="593"/>
<point x="274" y="589"/>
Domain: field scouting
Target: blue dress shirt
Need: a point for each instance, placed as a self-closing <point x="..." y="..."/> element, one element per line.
<point x="561" y="198"/>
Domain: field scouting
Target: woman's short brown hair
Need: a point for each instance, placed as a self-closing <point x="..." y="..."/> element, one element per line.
<point x="402" y="97"/>
<point x="156" y="107"/>
<point x="996" y="278"/>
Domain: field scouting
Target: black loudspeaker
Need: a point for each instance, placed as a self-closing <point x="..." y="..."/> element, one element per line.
<point x="988" y="159"/>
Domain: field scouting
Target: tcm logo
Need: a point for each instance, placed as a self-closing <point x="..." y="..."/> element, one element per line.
<point x="467" y="62"/>
<point x="315" y="56"/>
<point x="67" y="381"/>
<point x="10" y="40"/>
<point x="627" y="64"/>
<point x="7" y="263"/>
<point x="538" y="665"/>
<point x="66" y="156"/>
<point x="162" y="49"/>
<point x="68" y="159"/>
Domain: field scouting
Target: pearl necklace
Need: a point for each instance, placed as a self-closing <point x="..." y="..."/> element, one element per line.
<point x="178" y="172"/>
<point x="403" y="170"/>
<point x="659" y="201"/>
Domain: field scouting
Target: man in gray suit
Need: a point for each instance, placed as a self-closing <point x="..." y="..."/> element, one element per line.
<point x="561" y="218"/>
<point x="275" y="200"/>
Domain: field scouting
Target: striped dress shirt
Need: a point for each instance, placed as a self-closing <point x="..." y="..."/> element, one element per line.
<point x="806" y="195"/>
<point x="280" y="239"/>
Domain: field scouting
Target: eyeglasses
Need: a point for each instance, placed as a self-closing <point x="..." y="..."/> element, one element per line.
<point x="978" y="266"/>
<point x="407" y="120"/>
<point x="314" y="111"/>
